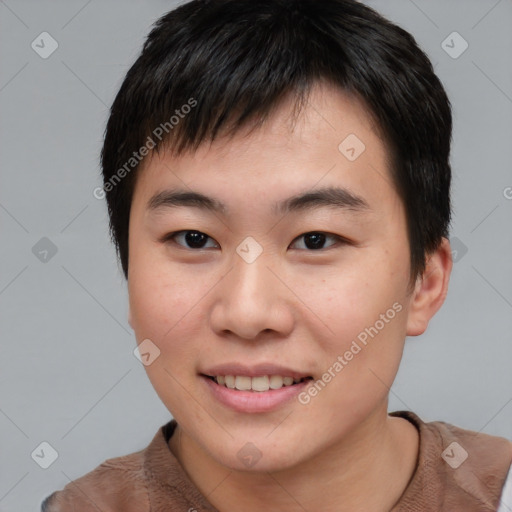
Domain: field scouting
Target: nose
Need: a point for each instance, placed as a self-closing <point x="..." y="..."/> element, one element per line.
<point x="251" y="300"/>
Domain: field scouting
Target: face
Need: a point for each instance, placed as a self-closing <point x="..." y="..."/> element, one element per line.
<point x="302" y="273"/>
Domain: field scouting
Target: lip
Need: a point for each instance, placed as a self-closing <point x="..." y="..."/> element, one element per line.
<point x="253" y="371"/>
<point x="253" y="401"/>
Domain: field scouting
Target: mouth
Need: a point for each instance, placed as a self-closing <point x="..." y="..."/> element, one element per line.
<point x="254" y="394"/>
<point x="258" y="384"/>
<point x="257" y="388"/>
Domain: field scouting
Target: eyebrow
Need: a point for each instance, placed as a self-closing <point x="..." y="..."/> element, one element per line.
<point x="331" y="197"/>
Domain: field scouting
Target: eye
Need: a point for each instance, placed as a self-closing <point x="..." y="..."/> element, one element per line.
<point x="315" y="240"/>
<point x="190" y="239"/>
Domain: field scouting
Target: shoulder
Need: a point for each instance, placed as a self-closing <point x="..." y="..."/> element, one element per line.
<point x="487" y="449"/>
<point x="117" y="484"/>
<point x="463" y="442"/>
<point x="486" y="456"/>
<point x="465" y="467"/>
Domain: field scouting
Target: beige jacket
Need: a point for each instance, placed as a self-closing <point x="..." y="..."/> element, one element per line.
<point x="152" y="480"/>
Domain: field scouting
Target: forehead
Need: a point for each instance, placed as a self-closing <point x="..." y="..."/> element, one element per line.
<point x="332" y="142"/>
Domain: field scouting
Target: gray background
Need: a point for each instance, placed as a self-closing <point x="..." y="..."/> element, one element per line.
<point x="68" y="374"/>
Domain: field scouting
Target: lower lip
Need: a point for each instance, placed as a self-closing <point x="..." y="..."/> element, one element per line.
<point x="254" y="401"/>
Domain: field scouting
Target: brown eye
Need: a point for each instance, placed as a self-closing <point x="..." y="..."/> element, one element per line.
<point x="190" y="239"/>
<point x="315" y="240"/>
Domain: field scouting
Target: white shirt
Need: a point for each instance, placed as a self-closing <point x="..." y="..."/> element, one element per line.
<point x="506" y="494"/>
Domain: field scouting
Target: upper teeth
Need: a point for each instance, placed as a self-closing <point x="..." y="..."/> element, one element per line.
<point x="263" y="383"/>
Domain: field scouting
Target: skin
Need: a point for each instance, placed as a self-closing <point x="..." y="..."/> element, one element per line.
<point x="293" y="305"/>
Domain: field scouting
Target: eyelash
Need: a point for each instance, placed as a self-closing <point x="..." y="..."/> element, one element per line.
<point x="338" y="239"/>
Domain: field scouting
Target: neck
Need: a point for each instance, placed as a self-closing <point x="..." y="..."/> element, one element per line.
<point x="367" y="470"/>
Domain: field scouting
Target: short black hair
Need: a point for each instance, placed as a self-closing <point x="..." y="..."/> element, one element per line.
<point x="210" y="67"/>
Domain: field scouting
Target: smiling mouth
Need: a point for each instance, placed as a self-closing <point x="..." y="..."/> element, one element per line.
<point x="259" y="384"/>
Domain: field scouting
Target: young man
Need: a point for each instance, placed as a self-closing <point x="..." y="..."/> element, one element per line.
<point x="278" y="183"/>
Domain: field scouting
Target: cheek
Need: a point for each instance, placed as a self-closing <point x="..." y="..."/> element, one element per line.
<point x="159" y="294"/>
<point x="168" y="306"/>
<point x="343" y="300"/>
<point x="164" y="306"/>
<point x="160" y="305"/>
<point x="361" y="313"/>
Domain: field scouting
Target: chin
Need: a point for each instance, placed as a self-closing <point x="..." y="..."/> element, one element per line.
<point x="257" y="457"/>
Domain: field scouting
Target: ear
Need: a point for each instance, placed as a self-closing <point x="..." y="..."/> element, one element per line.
<point x="430" y="289"/>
